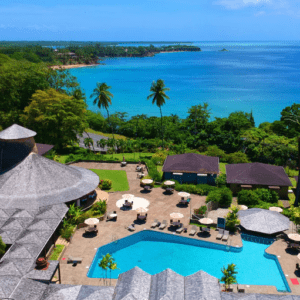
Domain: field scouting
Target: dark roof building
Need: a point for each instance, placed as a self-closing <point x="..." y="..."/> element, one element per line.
<point x="95" y="138"/>
<point x="254" y="175"/>
<point x="42" y="149"/>
<point x="191" y="168"/>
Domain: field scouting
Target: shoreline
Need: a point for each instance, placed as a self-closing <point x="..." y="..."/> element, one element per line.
<point x="72" y="66"/>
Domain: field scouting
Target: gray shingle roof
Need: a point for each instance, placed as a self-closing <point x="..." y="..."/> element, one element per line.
<point x="264" y="221"/>
<point x="202" y="286"/>
<point x="38" y="181"/>
<point x="192" y="163"/>
<point x="95" y="292"/>
<point x="7" y="285"/>
<point x="133" y="284"/>
<point x="45" y="275"/>
<point x="257" y="174"/>
<point x="240" y="296"/>
<point x="61" y="292"/>
<point x="29" y="289"/>
<point x="167" y="285"/>
<point x="15" y="132"/>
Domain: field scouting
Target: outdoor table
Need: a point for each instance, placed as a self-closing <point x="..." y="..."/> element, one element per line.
<point x="142" y="175"/>
<point x="183" y="201"/>
<point x="113" y="215"/>
<point x="176" y="223"/>
<point x="141" y="217"/>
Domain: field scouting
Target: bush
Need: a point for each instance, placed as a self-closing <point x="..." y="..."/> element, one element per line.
<point x="206" y="188"/>
<point x="223" y="196"/>
<point x="221" y="180"/>
<point x="105" y="184"/>
<point x="99" y="208"/>
<point x="237" y="158"/>
<point x="202" y="210"/>
<point x="248" y="197"/>
<point x="67" y="231"/>
<point x="2" y="247"/>
<point x="159" y="158"/>
<point x="266" y="195"/>
<point x="152" y="170"/>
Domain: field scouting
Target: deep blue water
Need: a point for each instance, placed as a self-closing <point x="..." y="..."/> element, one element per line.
<point x="154" y="252"/>
<point x="260" y="76"/>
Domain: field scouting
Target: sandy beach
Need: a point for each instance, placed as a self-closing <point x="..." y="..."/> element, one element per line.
<point x="73" y="66"/>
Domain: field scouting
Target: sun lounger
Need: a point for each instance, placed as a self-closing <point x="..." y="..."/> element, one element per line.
<point x="193" y="230"/>
<point x="72" y="259"/>
<point x="131" y="227"/>
<point x="180" y="229"/>
<point x="220" y="234"/>
<point x="155" y="223"/>
<point x="225" y="236"/>
<point x="163" y="225"/>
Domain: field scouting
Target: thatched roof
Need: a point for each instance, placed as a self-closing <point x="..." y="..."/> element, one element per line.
<point x="16" y="132"/>
<point x="38" y="181"/>
<point x="263" y="220"/>
<point x="257" y="174"/>
<point x="191" y="163"/>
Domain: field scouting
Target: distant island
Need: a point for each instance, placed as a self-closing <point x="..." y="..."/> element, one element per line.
<point x="224" y="50"/>
<point x="76" y="55"/>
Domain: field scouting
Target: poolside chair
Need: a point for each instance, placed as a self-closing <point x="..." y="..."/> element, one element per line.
<point x="154" y="224"/>
<point x="240" y="288"/>
<point x="163" y="225"/>
<point x="193" y="230"/>
<point x="180" y="229"/>
<point x="72" y="259"/>
<point x="226" y="235"/>
<point x="131" y="227"/>
<point x="220" y="234"/>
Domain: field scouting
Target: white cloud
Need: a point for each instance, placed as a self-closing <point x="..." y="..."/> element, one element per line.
<point x="236" y="4"/>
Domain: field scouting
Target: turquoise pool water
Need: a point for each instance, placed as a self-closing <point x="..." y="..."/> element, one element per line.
<point x="154" y="252"/>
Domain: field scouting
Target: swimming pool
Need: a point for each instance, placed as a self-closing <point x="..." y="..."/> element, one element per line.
<point x="154" y="252"/>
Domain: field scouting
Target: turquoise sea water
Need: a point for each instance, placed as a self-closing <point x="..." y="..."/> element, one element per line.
<point x="154" y="252"/>
<point x="260" y="76"/>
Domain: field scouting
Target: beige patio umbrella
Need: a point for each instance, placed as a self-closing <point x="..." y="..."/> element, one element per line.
<point x="169" y="182"/>
<point x="147" y="181"/>
<point x="298" y="255"/>
<point x="91" y="221"/>
<point x="176" y="215"/>
<point x="128" y="196"/>
<point x="294" y="237"/>
<point x="243" y="207"/>
<point x="184" y="194"/>
<point x="206" y="221"/>
<point x="278" y="209"/>
<point x="141" y="210"/>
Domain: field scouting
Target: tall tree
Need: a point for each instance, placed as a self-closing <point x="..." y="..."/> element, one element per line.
<point x="88" y="142"/>
<point x="102" y="97"/>
<point x="158" y="97"/>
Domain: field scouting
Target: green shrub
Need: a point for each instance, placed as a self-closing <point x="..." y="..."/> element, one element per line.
<point x="152" y="170"/>
<point x="159" y="158"/>
<point x="237" y="158"/>
<point x="66" y="232"/>
<point x="2" y="247"/>
<point x="266" y="195"/>
<point x="232" y="219"/>
<point x="56" y="252"/>
<point x="202" y="210"/>
<point x="105" y="184"/>
<point x="248" y="197"/>
<point x="223" y="196"/>
<point x="216" y="151"/>
<point x="99" y="208"/>
<point x="221" y="180"/>
<point x="206" y="188"/>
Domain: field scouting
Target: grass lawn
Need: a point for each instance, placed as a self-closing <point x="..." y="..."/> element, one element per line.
<point x="159" y="169"/>
<point x="136" y="156"/>
<point x="109" y="135"/>
<point x="56" y="252"/>
<point x="223" y="168"/>
<point x="118" y="178"/>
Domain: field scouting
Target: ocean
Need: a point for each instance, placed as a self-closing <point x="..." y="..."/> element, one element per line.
<point x="262" y="77"/>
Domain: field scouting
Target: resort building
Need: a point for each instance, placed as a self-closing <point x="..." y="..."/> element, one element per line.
<point x="258" y="175"/>
<point x="191" y="168"/>
<point x="95" y="138"/>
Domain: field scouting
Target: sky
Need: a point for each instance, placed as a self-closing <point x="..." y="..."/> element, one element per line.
<point x="150" y="20"/>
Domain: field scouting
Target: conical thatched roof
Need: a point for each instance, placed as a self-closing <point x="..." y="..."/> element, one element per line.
<point x="263" y="221"/>
<point x="38" y="181"/>
<point x="16" y="132"/>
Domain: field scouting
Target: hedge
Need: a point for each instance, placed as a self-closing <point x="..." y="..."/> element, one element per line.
<point x="223" y="196"/>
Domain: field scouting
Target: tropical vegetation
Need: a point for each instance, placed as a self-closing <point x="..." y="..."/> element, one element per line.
<point x="229" y="275"/>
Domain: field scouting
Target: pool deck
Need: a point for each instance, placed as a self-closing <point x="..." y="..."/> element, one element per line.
<point x="161" y="205"/>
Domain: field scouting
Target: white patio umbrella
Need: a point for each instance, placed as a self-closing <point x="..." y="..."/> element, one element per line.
<point x="184" y="194"/>
<point x="91" y="221"/>
<point x="298" y="255"/>
<point x="243" y="207"/>
<point x="278" y="209"/>
<point x="128" y="196"/>
<point x="176" y="215"/>
<point x="169" y="182"/>
<point x="141" y="210"/>
<point x="147" y="181"/>
<point x="294" y="237"/>
<point x="206" y="221"/>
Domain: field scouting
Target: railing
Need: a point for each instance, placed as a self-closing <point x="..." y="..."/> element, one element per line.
<point x="257" y="239"/>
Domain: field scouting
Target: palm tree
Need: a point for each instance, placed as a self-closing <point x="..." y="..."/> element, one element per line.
<point x="158" y="97"/>
<point x="102" y="143"/>
<point x="229" y="275"/>
<point x="88" y="142"/>
<point x="111" y="143"/>
<point x="102" y="97"/>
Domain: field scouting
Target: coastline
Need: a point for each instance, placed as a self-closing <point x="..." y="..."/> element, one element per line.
<point x="72" y="66"/>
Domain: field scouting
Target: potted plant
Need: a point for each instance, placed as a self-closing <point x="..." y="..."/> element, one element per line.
<point x="201" y="211"/>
